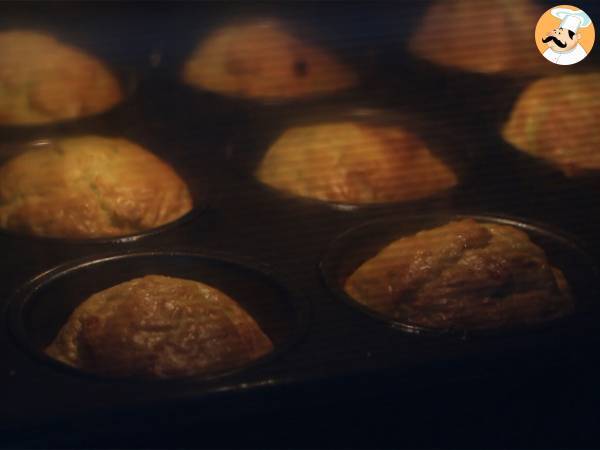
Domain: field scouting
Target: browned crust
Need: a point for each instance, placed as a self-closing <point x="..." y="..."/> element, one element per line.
<point x="495" y="36"/>
<point x="43" y="80"/>
<point x="462" y="275"/>
<point x="261" y="59"/>
<point x="88" y="187"/>
<point x="354" y="163"/>
<point x="159" y="327"/>
<point x="556" y="119"/>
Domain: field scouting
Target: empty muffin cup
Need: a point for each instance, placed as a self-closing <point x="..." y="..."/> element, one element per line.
<point x="266" y="318"/>
<point x="463" y="275"/>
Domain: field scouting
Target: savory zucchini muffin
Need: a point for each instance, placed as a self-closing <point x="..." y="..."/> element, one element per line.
<point x="43" y="80"/>
<point x="558" y="119"/>
<point x="353" y="162"/>
<point x="262" y="60"/>
<point x="495" y="36"/>
<point x="88" y="187"/>
<point x="463" y="275"/>
<point x="159" y="327"/>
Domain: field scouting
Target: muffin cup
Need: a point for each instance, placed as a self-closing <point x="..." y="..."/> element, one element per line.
<point x="196" y="183"/>
<point x="352" y="248"/>
<point x="38" y="310"/>
<point x="478" y="104"/>
<point x="246" y="151"/>
<point x="193" y="107"/>
<point x="457" y="92"/>
<point x="114" y="117"/>
<point x="523" y="184"/>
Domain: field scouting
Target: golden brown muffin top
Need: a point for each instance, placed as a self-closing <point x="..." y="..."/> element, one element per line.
<point x="43" y="80"/>
<point x="261" y="59"/>
<point x="159" y="327"/>
<point x="462" y="275"/>
<point x="557" y="118"/>
<point x="87" y="187"/>
<point x="494" y="36"/>
<point x="352" y="162"/>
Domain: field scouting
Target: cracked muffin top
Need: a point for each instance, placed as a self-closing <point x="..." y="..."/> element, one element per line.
<point x="262" y="59"/>
<point x="464" y="275"/>
<point x="89" y="187"/>
<point x="159" y="327"/>
<point x="43" y="80"/>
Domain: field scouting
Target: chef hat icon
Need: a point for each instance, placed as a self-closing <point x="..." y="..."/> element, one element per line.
<point x="572" y="19"/>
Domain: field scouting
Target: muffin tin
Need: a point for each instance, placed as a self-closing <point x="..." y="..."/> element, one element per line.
<point x="325" y="341"/>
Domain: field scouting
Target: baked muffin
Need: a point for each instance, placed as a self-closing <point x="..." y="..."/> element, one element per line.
<point x="463" y="275"/>
<point x="88" y="187"/>
<point x="262" y="60"/>
<point x="159" y="327"/>
<point x="558" y="119"/>
<point x="488" y="37"/>
<point x="43" y="80"/>
<point x="353" y="162"/>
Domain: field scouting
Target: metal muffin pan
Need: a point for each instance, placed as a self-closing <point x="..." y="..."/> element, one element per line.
<point x="245" y="220"/>
<point x="355" y="246"/>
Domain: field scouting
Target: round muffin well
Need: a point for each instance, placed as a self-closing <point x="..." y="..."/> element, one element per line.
<point x="89" y="187"/>
<point x="131" y="307"/>
<point x="159" y="327"/>
<point x="355" y="163"/>
<point x="43" y="80"/>
<point x="460" y="274"/>
<point x="261" y="59"/>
